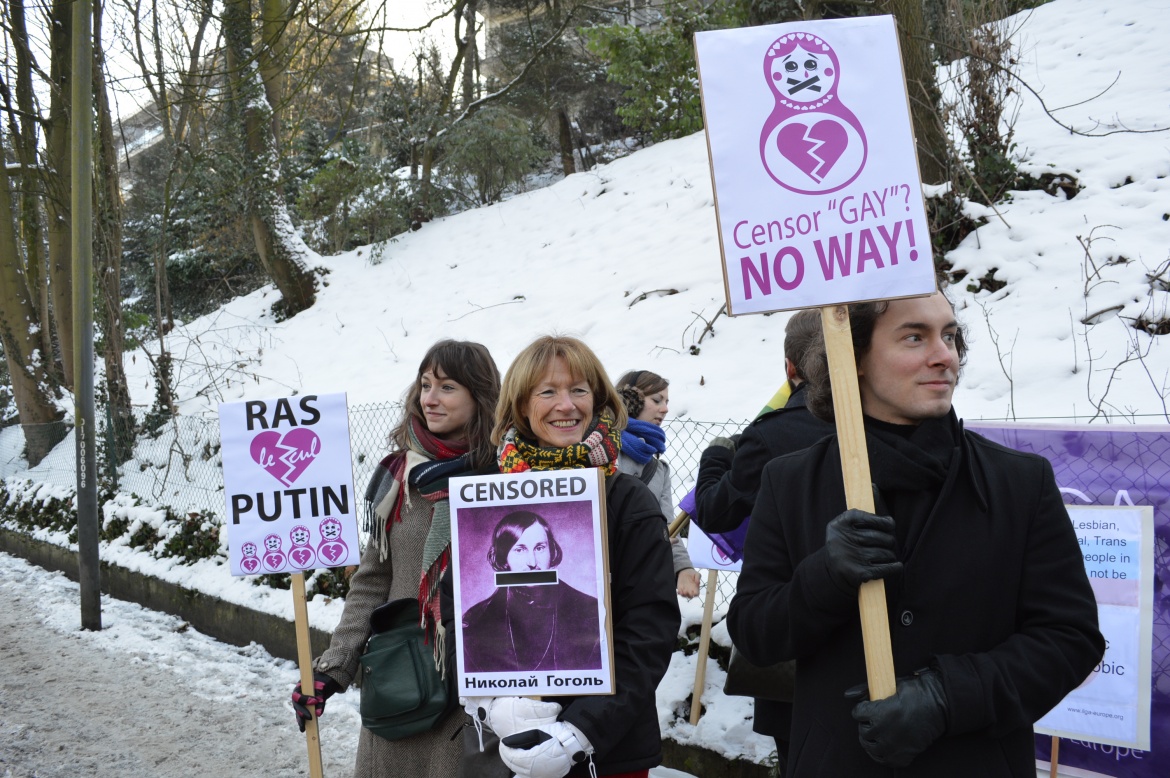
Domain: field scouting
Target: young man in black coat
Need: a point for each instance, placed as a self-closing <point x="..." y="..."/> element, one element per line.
<point x="992" y="619"/>
<point x="729" y="478"/>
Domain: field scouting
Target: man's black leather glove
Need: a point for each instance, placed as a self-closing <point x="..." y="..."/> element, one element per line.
<point x="895" y="730"/>
<point x="861" y="547"/>
<point x="324" y="687"/>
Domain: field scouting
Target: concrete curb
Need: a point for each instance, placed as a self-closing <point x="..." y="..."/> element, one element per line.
<point x="212" y="616"/>
<point x="241" y="626"/>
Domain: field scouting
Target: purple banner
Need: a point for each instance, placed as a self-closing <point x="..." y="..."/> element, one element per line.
<point x="1114" y="465"/>
<point x="730" y="543"/>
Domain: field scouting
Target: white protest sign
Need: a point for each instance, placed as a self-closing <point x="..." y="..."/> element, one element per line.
<point x="288" y="481"/>
<point x="1112" y="706"/>
<point x="817" y="191"/>
<point x="529" y="568"/>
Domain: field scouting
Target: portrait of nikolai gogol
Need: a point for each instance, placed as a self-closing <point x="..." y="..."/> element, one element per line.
<point x="533" y="620"/>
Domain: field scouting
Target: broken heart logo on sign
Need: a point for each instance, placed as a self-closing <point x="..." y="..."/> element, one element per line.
<point x="287" y="456"/>
<point x="811" y="143"/>
<point x="814" y="150"/>
<point x="332" y="551"/>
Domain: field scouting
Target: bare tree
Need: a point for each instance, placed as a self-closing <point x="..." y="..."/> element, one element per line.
<point x="107" y="254"/>
<point x="281" y="250"/>
<point x="32" y="387"/>
<point x="55" y="179"/>
<point x="25" y="140"/>
<point x="922" y="86"/>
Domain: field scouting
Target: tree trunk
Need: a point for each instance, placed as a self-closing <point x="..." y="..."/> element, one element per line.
<point x="32" y="387"/>
<point x="282" y="252"/>
<point x="566" y="143"/>
<point x="31" y="224"/>
<point x="57" y="183"/>
<point x="107" y="252"/>
<point x="471" y="58"/>
<point x="922" y="86"/>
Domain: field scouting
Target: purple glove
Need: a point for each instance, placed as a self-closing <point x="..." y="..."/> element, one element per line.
<point x="324" y="687"/>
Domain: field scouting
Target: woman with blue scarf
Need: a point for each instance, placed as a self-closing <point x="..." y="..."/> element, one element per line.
<point x="647" y="399"/>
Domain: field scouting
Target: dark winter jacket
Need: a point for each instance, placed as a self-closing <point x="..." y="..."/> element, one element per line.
<point x="727" y="483"/>
<point x="993" y="594"/>
<point x="623" y="727"/>
<point x="726" y="489"/>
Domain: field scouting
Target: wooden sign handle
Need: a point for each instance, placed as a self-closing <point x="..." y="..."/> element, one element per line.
<point x="875" y="625"/>
<point x="704" y="645"/>
<point x="305" y="660"/>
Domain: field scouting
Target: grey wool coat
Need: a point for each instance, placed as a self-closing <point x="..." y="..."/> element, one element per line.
<point x="433" y="754"/>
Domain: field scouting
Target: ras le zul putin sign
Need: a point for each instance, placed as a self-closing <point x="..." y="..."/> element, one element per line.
<point x="288" y="481"/>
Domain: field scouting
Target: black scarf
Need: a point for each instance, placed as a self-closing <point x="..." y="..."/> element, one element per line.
<point x="909" y="465"/>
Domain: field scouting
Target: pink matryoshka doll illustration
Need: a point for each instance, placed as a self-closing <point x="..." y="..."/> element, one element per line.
<point x="301" y="554"/>
<point x="331" y="548"/>
<point x="273" y="556"/>
<point x="250" y="563"/>
<point x="811" y="143"/>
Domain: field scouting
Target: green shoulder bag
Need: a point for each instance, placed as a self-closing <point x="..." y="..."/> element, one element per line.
<point x="402" y="692"/>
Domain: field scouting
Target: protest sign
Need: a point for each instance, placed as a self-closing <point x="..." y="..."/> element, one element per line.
<point x="288" y="481"/>
<point x="1112" y="706"/>
<point x="817" y="193"/>
<point x="1112" y="464"/>
<point x="531" y="584"/>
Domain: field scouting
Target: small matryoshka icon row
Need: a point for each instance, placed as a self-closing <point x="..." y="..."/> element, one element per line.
<point x="301" y="554"/>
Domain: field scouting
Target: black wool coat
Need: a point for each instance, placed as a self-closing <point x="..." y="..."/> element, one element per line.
<point x="993" y="594"/>
<point x="727" y="484"/>
<point x="725" y="491"/>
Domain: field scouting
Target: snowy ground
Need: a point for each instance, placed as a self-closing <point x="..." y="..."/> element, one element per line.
<point x="146" y="697"/>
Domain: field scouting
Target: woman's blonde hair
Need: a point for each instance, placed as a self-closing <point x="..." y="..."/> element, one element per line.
<point x="530" y="366"/>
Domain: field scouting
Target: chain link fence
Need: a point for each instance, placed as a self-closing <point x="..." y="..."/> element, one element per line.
<point x="181" y="467"/>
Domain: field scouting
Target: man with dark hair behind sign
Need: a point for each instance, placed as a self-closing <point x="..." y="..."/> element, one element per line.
<point x="992" y="619"/>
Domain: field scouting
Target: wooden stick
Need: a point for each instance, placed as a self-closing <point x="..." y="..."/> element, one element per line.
<point x="704" y="644"/>
<point x="679" y="522"/>
<point x="1055" y="761"/>
<point x="875" y="625"/>
<point x="305" y="660"/>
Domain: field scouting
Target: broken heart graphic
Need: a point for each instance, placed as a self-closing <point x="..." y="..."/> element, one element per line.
<point x="332" y="551"/>
<point x="250" y="564"/>
<point x="813" y="149"/>
<point x="274" y="561"/>
<point x="301" y="557"/>
<point x="285" y="457"/>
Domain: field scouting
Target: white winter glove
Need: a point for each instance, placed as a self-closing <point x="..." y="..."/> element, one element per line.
<point x="509" y="715"/>
<point x="548" y="752"/>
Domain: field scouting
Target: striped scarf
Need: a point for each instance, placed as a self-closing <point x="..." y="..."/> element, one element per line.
<point x="641" y="440"/>
<point x="427" y="466"/>
<point x="599" y="448"/>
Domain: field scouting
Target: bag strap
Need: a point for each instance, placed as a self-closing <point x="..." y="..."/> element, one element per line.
<point x="648" y="470"/>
